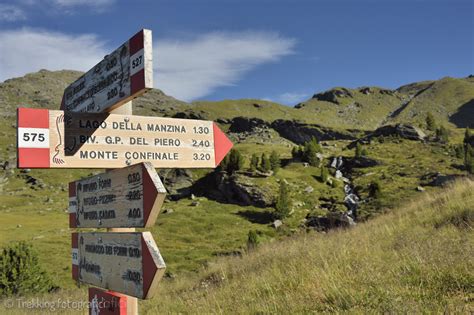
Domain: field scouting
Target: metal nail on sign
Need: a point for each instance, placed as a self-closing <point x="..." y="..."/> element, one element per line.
<point x="121" y="76"/>
<point x="124" y="197"/>
<point x="128" y="263"/>
<point x="58" y="139"/>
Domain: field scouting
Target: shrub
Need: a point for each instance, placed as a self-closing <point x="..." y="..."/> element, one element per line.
<point x="295" y="153"/>
<point x="442" y="134"/>
<point x="469" y="159"/>
<point x="21" y="273"/>
<point x="265" y="165"/>
<point x="430" y="122"/>
<point x="282" y="206"/>
<point x="459" y="151"/>
<point x="252" y="240"/>
<point x="236" y="161"/>
<point x="467" y="136"/>
<point x="311" y="148"/>
<point x="275" y="161"/>
<point x="324" y="174"/>
<point x="254" y="162"/>
<point x="375" y="190"/>
<point x="360" y="151"/>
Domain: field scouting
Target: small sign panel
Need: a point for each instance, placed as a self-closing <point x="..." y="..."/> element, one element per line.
<point x="58" y="139"/>
<point x="103" y="302"/>
<point x="128" y="263"/>
<point x="122" y="75"/>
<point x="124" y="197"/>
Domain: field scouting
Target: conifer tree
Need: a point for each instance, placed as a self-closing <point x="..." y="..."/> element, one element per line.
<point x="430" y="122"/>
<point x="282" y="206"/>
<point x="275" y="161"/>
<point x="254" y="162"/>
<point x="265" y="165"/>
<point x="324" y="174"/>
<point x="236" y="161"/>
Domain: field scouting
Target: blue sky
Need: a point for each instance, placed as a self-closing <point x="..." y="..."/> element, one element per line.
<point x="282" y="50"/>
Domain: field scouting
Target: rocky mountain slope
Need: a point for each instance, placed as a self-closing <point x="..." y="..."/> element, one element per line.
<point x="210" y="214"/>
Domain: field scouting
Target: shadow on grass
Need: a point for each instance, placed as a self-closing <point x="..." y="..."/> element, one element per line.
<point x="260" y="217"/>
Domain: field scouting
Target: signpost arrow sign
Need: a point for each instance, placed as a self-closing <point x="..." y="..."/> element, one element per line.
<point x="121" y="76"/>
<point x="128" y="263"/>
<point x="125" y="197"/>
<point x="58" y="139"/>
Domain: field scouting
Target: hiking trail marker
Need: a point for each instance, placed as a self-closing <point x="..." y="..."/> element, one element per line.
<point x="124" y="197"/>
<point x="58" y="139"/>
<point x="122" y="75"/>
<point x="87" y="134"/>
<point x="103" y="302"/>
<point x="128" y="263"/>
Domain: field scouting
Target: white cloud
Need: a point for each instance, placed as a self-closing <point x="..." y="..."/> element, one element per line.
<point x="29" y="50"/>
<point x="185" y="69"/>
<point x="88" y="3"/>
<point x="193" y="68"/>
<point x="11" y="13"/>
<point x="289" y="98"/>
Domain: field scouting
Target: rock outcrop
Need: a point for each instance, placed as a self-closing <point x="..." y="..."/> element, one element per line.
<point x="242" y="190"/>
<point x="178" y="182"/>
<point x="300" y="133"/>
<point x="405" y="131"/>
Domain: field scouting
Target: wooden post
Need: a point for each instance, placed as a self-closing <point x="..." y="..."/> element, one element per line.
<point x="132" y="302"/>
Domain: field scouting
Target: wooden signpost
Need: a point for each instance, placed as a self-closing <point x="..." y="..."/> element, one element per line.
<point x="128" y="263"/>
<point x="122" y="75"/>
<point x="57" y="139"/>
<point x="86" y="134"/>
<point x="124" y="197"/>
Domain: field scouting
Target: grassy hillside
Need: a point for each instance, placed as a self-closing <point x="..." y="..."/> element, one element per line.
<point x="322" y="272"/>
<point x="448" y="99"/>
<point x="416" y="259"/>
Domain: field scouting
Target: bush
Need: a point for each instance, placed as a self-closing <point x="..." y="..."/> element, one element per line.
<point x="265" y="165"/>
<point x="254" y="162"/>
<point x="375" y="190"/>
<point x="235" y="162"/>
<point x="459" y="151"/>
<point x="21" y="273"/>
<point x="324" y="174"/>
<point x="275" y="161"/>
<point x="252" y="240"/>
<point x="311" y="148"/>
<point x="360" y="151"/>
<point x="467" y="136"/>
<point x="469" y="159"/>
<point x="430" y="122"/>
<point x="282" y="206"/>
<point x="442" y="134"/>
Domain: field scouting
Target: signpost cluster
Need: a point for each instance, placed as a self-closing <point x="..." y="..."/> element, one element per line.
<point x="87" y="132"/>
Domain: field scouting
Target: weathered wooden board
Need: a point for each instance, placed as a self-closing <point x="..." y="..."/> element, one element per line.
<point x="125" y="197"/>
<point x="128" y="263"/>
<point x="122" y="75"/>
<point x="106" y="302"/>
<point x="58" y="139"/>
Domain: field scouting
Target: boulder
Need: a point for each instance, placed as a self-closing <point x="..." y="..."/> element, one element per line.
<point x="300" y="133"/>
<point x="245" y="124"/>
<point x="242" y="190"/>
<point x="330" y="221"/>
<point x="276" y="224"/>
<point x="178" y="182"/>
<point x="405" y="131"/>
<point x="438" y="179"/>
<point x="308" y="189"/>
<point x="333" y="95"/>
